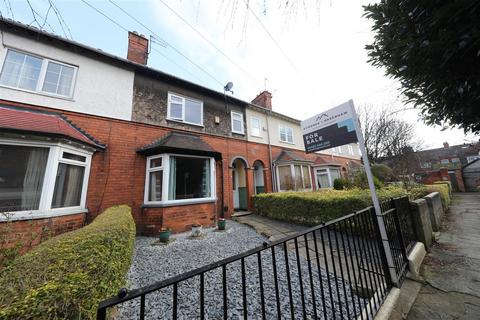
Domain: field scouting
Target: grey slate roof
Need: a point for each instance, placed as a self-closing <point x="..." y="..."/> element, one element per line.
<point x="179" y="142"/>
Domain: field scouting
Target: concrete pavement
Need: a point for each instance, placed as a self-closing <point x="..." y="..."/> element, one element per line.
<point x="452" y="269"/>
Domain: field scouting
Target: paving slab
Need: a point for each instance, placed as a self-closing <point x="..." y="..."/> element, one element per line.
<point x="452" y="269"/>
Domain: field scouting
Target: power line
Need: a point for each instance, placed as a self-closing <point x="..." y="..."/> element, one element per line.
<point x="107" y="17"/>
<point x="154" y="33"/>
<point x="207" y="40"/>
<point x="60" y="19"/>
<point x="272" y="37"/>
<point x="160" y="38"/>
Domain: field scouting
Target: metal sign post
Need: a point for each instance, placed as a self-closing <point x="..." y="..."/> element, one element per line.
<point x="339" y="126"/>
<point x="373" y="191"/>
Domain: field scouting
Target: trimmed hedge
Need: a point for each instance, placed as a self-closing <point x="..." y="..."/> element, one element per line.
<point x="313" y="208"/>
<point x="443" y="189"/>
<point x="67" y="276"/>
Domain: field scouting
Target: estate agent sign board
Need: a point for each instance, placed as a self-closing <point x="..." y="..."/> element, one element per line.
<point x="336" y="127"/>
<point x="332" y="128"/>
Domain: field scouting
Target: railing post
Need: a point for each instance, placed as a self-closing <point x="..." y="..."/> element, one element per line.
<point x="383" y="256"/>
<point x="101" y="313"/>
<point x="395" y="204"/>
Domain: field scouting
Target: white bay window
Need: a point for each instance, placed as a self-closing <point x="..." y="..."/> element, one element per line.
<point x="176" y="179"/>
<point x="294" y="177"/>
<point x="325" y="176"/>
<point x="42" y="179"/>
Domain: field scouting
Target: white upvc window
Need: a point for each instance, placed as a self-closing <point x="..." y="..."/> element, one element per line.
<point x="350" y="150"/>
<point x="256" y="127"/>
<point x="324" y="177"/>
<point x="294" y="177"/>
<point x="37" y="74"/>
<point x="237" y="122"/>
<point x="286" y="134"/>
<point x="185" y="109"/>
<point x="175" y="179"/>
<point x="444" y="161"/>
<point x="40" y="180"/>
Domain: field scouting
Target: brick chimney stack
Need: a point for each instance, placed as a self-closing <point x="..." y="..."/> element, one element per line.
<point x="137" y="48"/>
<point x="264" y="99"/>
<point x="446" y="145"/>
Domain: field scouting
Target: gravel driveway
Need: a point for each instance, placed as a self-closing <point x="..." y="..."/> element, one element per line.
<point x="158" y="262"/>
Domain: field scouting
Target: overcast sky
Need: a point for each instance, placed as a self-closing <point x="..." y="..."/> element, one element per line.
<point x="312" y="59"/>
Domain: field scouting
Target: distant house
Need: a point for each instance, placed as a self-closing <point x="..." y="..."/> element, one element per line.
<point x="82" y="130"/>
<point x="441" y="164"/>
<point x="471" y="175"/>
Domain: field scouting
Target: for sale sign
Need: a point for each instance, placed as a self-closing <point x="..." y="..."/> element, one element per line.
<point x="331" y="128"/>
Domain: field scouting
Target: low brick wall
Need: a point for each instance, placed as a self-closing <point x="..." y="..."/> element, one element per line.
<point x="435" y="209"/>
<point x="29" y="233"/>
<point x="178" y="218"/>
<point x="421" y="222"/>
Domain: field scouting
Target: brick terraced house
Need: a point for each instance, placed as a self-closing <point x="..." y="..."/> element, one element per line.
<point x="82" y="130"/>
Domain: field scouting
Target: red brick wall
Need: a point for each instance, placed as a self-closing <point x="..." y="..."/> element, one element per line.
<point x="117" y="175"/>
<point x="29" y="233"/>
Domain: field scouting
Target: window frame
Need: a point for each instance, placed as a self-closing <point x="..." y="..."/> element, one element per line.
<point x="328" y="173"/>
<point x="280" y="127"/>
<point x="292" y="172"/>
<point x="42" y="74"/>
<point x="182" y="120"/>
<point x="239" y="114"/>
<point x="55" y="157"/>
<point x="351" y="152"/>
<point x="165" y="202"/>
<point x="259" y="135"/>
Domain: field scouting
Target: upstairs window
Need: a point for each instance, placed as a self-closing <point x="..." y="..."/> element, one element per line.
<point x="237" y="122"/>
<point x="350" y="150"/>
<point x="255" y="127"/>
<point x="185" y="109"/>
<point x="286" y="134"/>
<point x="24" y="71"/>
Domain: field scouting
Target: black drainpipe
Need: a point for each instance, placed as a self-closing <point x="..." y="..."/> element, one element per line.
<point x="222" y="214"/>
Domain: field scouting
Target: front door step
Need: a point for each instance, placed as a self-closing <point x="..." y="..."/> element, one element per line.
<point x="241" y="213"/>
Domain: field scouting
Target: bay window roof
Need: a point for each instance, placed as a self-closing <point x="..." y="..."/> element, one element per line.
<point x="290" y="156"/>
<point x="176" y="142"/>
<point x="39" y="122"/>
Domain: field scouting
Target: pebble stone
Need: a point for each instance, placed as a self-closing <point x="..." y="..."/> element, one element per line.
<point x="153" y="263"/>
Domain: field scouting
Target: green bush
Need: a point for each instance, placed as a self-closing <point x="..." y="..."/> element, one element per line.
<point x="448" y="183"/>
<point x="312" y="208"/>
<point x="361" y="181"/>
<point x="341" y="184"/>
<point x="67" y="276"/>
<point x="382" y="172"/>
<point x="421" y="191"/>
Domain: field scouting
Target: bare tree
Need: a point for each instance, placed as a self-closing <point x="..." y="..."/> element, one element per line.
<point x="386" y="135"/>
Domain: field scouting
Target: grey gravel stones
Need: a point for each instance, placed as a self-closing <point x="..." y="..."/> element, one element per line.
<point x="156" y="263"/>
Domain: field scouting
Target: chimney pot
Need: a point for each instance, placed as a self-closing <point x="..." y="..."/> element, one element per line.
<point x="264" y="99"/>
<point x="446" y="145"/>
<point x="137" y="48"/>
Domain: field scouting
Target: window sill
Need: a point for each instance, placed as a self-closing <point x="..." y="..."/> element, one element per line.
<point x="33" y="215"/>
<point x="41" y="93"/>
<point x="287" y="142"/>
<point x="237" y="132"/>
<point x="174" y="203"/>
<point x="184" y="122"/>
<point x="255" y="136"/>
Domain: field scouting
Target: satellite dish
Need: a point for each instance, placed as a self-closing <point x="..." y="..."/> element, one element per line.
<point x="229" y="86"/>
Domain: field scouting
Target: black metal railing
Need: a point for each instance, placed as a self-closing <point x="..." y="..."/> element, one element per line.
<point x="337" y="270"/>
